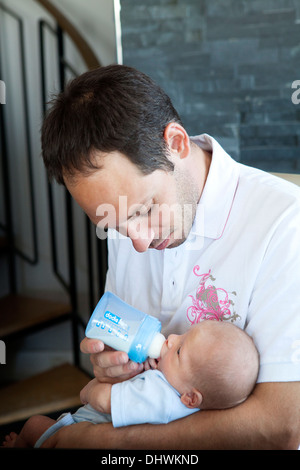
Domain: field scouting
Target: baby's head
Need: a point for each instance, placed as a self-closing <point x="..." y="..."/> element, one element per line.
<point x="214" y="365"/>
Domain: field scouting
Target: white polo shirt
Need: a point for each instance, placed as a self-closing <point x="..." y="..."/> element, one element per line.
<point x="240" y="263"/>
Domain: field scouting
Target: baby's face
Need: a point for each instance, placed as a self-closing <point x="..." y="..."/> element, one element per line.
<point x="175" y="361"/>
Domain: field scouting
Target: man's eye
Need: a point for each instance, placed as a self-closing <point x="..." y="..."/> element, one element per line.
<point x="142" y="213"/>
<point x="148" y="211"/>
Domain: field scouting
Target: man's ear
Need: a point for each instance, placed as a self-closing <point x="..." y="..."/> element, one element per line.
<point x="192" y="399"/>
<point x="177" y="140"/>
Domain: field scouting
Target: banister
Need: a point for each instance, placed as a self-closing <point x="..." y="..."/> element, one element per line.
<point x="86" y="51"/>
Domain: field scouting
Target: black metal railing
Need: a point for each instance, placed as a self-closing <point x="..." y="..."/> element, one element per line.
<point x="7" y="227"/>
<point x="94" y="248"/>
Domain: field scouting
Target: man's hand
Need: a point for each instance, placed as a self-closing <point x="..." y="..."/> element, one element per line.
<point x="110" y="366"/>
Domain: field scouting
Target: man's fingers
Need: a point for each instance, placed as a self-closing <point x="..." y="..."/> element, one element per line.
<point x="109" y="364"/>
<point x="117" y="373"/>
<point x="109" y="359"/>
<point x="91" y="346"/>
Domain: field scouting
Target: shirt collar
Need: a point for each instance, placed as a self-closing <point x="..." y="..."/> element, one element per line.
<point x="218" y="195"/>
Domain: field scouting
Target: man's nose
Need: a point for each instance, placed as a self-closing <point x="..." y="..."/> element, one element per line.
<point x="141" y="236"/>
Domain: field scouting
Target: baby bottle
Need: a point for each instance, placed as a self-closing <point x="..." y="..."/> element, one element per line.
<point x="125" y="328"/>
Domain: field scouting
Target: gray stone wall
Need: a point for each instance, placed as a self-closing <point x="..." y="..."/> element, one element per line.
<point x="229" y="66"/>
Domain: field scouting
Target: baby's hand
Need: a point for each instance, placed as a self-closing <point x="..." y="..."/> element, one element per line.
<point x="150" y="364"/>
<point x="97" y="395"/>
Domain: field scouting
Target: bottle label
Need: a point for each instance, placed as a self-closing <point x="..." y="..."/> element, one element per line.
<point x="112" y="317"/>
<point x="113" y="330"/>
<point x="113" y="325"/>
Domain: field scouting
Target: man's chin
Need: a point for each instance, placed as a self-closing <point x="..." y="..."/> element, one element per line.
<point x="169" y="242"/>
<point x="176" y="243"/>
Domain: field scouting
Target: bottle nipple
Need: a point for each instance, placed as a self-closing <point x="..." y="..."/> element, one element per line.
<point x="156" y="345"/>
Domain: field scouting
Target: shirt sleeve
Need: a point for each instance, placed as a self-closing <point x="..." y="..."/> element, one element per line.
<point x="146" y="398"/>
<point x="274" y="310"/>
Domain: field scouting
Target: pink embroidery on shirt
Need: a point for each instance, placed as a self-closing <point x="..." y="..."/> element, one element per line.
<point x="211" y="303"/>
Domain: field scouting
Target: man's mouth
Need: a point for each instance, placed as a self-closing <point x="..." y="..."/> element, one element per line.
<point x="163" y="245"/>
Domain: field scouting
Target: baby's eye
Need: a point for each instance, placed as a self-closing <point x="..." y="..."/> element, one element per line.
<point x="178" y="351"/>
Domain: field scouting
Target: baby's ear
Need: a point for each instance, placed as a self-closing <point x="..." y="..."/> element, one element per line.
<point x="192" y="399"/>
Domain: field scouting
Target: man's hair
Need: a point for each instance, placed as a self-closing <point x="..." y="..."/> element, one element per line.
<point x="113" y="108"/>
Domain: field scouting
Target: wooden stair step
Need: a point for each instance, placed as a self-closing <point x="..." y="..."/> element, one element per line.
<point x="18" y="313"/>
<point x="54" y="390"/>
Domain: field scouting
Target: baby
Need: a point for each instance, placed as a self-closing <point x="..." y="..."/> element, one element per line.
<point x="214" y="365"/>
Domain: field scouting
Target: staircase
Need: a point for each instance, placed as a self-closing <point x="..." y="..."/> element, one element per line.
<point x="56" y="388"/>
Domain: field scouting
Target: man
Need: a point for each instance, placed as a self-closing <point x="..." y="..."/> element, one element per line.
<point x="192" y="235"/>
